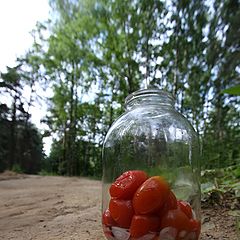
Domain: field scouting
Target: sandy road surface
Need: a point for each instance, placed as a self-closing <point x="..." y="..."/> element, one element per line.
<point x="39" y="208"/>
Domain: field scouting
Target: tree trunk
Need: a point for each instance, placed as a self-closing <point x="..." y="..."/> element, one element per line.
<point x="13" y="134"/>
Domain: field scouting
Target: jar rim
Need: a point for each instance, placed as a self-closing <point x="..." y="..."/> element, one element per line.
<point x="151" y="92"/>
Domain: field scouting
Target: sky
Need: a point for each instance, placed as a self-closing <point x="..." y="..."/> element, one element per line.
<point x="17" y="19"/>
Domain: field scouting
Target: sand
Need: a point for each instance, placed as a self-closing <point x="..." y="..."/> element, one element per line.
<point x="49" y="207"/>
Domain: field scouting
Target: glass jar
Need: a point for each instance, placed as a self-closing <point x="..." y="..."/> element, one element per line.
<point x="151" y="172"/>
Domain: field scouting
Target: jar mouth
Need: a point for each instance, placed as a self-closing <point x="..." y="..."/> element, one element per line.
<point x="150" y="93"/>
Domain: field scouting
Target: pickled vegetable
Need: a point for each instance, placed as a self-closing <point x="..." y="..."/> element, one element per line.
<point x="143" y="208"/>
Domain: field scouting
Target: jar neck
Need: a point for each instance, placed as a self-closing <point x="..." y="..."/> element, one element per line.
<point x="149" y="97"/>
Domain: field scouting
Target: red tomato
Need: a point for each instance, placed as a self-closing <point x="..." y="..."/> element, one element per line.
<point x="126" y="185"/>
<point x="171" y="203"/>
<point x="121" y="211"/>
<point x="177" y="219"/>
<point x="142" y="225"/>
<point x="107" y="218"/>
<point x="186" y="208"/>
<point x="151" y="195"/>
<point x="195" y="226"/>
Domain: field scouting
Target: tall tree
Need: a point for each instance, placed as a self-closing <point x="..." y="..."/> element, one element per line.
<point x="20" y="142"/>
<point x="97" y="52"/>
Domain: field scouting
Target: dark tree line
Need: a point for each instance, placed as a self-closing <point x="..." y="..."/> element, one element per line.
<point x="20" y="140"/>
<point x="92" y="54"/>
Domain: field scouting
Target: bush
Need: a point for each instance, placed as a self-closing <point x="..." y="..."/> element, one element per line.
<point x="17" y="168"/>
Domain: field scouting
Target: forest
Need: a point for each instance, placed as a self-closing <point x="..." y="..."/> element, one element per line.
<point x="92" y="54"/>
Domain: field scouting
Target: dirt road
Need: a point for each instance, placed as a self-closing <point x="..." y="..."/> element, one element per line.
<point x="49" y="208"/>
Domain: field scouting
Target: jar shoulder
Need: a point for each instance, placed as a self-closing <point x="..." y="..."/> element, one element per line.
<point x="147" y="120"/>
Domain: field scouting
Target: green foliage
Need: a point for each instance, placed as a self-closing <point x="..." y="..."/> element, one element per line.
<point x="233" y="90"/>
<point x="219" y="183"/>
<point x="46" y="173"/>
<point x="20" y="141"/>
<point x="92" y="54"/>
<point x="17" y="168"/>
<point x="28" y="150"/>
<point x="118" y="46"/>
<point x="236" y="172"/>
